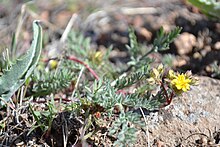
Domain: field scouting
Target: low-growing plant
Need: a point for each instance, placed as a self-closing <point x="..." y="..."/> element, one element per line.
<point x="44" y="118"/>
<point x="89" y="86"/>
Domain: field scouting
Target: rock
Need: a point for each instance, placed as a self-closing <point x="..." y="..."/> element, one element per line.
<point x="217" y="45"/>
<point x="189" y="116"/>
<point x="206" y="50"/>
<point x="145" y="33"/>
<point x="180" y="61"/>
<point x="62" y="19"/>
<point x="184" y="43"/>
<point x="138" y="21"/>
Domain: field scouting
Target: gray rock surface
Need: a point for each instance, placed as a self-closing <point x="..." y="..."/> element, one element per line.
<point x="191" y="119"/>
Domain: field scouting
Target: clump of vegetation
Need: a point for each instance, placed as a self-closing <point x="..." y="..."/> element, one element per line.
<point x="80" y="94"/>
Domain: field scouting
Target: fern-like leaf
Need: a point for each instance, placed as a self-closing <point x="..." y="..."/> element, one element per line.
<point x="132" y="78"/>
<point x="163" y="40"/>
<point x="48" y="83"/>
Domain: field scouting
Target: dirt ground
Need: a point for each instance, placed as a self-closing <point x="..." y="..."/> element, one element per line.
<point x="192" y="119"/>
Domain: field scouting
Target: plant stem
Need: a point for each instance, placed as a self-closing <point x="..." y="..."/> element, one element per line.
<point x="84" y="64"/>
<point x="129" y="68"/>
<point x="168" y="98"/>
<point x="77" y="83"/>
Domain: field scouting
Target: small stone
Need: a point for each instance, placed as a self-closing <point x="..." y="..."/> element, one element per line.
<point x="197" y="55"/>
<point x="138" y="21"/>
<point x="45" y="15"/>
<point x="208" y="68"/>
<point x="204" y="140"/>
<point x="185" y="43"/>
<point x="211" y="142"/>
<point x="179" y="62"/>
<point x="160" y="143"/>
<point x="62" y="19"/>
<point x="217" y="45"/>
<point x="205" y="51"/>
<point x="147" y="34"/>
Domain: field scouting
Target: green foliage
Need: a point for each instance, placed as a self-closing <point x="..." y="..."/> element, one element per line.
<point x="5" y="61"/>
<point x="78" y="44"/>
<point x="133" y="78"/>
<point x="46" y="83"/>
<point x="209" y="7"/>
<point x="146" y="101"/>
<point x="104" y="95"/>
<point x="160" y="43"/>
<point x="168" y="59"/>
<point x="216" y="70"/>
<point x="12" y="79"/>
<point x="80" y="47"/>
<point x="163" y="40"/>
<point x="111" y="95"/>
<point x="107" y="94"/>
<point x="123" y="129"/>
<point x="133" y="48"/>
<point x="44" y="118"/>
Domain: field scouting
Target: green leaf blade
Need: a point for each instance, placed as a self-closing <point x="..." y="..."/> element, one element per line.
<point x="12" y="79"/>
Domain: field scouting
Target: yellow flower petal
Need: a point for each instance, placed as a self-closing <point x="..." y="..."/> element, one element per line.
<point x="155" y="73"/>
<point x="181" y="82"/>
<point x="178" y="87"/>
<point x="160" y="68"/>
<point x="151" y="80"/>
<point x="171" y="74"/>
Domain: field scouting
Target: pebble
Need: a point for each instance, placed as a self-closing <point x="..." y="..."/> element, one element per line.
<point x="184" y="43"/>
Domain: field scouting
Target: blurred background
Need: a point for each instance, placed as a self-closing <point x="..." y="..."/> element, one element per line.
<point x="106" y="22"/>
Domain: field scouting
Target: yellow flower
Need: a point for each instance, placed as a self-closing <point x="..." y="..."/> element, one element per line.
<point x="155" y="75"/>
<point x="96" y="57"/>
<point x="53" y="64"/>
<point x="160" y="68"/>
<point x="194" y="80"/>
<point x="151" y="81"/>
<point x="181" y="83"/>
<point x="171" y="75"/>
<point x="99" y="55"/>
